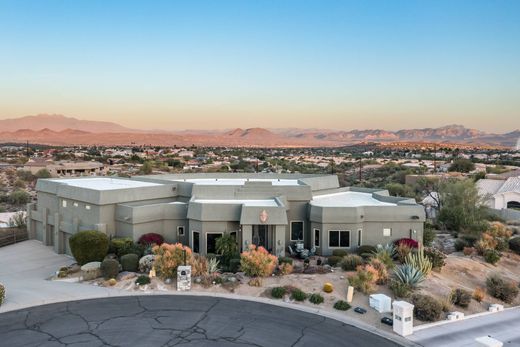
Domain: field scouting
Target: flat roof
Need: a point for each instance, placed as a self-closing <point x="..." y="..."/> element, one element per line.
<point x="239" y="181"/>
<point x="104" y="183"/>
<point x="347" y="199"/>
<point x="259" y="202"/>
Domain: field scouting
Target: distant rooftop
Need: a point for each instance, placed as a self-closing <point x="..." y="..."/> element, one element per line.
<point x="249" y="202"/>
<point x="239" y="181"/>
<point x="104" y="183"/>
<point x="347" y="199"/>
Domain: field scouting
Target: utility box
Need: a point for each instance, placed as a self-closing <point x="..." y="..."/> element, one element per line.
<point x="380" y="302"/>
<point x="496" y="308"/>
<point x="183" y="278"/>
<point x="455" y="315"/>
<point x="403" y="318"/>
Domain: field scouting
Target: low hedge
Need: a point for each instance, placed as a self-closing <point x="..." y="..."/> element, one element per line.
<point x="316" y="299"/>
<point x="334" y="260"/>
<point x="87" y="246"/>
<point x="278" y="292"/>
<point x="339" y="252"/>
<point x="130" y="262"/>
<point x="501" y="289"/>
<point x="426" y="308"/>
<point x="342" y="305"/>
<point x="109" y="268"/>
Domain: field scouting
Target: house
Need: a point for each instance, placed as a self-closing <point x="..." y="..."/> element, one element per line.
<point x="66" y="168"/>
<point x="501" y="194"/>
<point x="269" y="210"/>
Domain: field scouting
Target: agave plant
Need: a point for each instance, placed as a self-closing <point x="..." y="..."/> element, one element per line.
<point x="385" y="254"/>
<point x="419" y="261"/>
<point x="408" y="275"/>
<point x="213" y="265"/>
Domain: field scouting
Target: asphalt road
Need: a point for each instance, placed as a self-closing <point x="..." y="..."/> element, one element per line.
<point x="175" y="321"/>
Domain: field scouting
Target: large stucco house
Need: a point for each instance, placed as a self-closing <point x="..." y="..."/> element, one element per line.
<point x="273" y="211"/>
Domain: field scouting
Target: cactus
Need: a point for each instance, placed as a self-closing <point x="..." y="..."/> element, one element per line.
<point x="420" y="261"/>
<point x="328" y="288"/>
<point x="407" y="274"/>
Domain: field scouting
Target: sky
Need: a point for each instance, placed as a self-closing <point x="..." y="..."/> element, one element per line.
<point x="274" y="64"/>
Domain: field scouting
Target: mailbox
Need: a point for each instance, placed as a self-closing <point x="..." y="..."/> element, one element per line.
<point x="183" y="278"/>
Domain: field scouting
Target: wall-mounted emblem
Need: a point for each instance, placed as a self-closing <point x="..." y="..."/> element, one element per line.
<point x="264" y="216"/>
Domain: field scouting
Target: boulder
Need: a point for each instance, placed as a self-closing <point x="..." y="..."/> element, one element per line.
<point x="91" y="270"/>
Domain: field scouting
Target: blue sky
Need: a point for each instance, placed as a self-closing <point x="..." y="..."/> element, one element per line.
<point x="226" y="64"/>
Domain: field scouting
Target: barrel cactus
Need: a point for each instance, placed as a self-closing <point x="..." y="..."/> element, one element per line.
<point x="328" y="288"/>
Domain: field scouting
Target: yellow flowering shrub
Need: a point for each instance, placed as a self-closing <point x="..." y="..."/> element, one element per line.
<point x="257" y="262"/>
<point x="168" y="257"/>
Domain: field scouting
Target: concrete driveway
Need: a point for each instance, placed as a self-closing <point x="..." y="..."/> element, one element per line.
<point x="175" y="320"/>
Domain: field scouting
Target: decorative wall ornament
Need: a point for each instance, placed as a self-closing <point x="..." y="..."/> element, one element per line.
<point x="264" y="217"/>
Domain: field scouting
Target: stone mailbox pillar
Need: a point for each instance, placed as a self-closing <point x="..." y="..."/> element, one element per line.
<point x="403" y="318"/>
<point x="183" y="278"/>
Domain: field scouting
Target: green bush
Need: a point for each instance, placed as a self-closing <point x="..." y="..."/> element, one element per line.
<point x="19" y="197"/>
<point x="460" y="244"/>
<point x="278" y="292"/>
<point x="491" y="256"/>
<point x="351" y="262"/>
<point x="2" y="294"/>
<point x="130" y="262"/>
<point x="298" y="295"/>
<point x="501" y="289"/>
<point x="234" y="265"/>
<point x="142" y="280"/>
<point x="461" y="297"/>
<point x="428" y="237"/>
<point x="284" y="260"/>
<point x="87" y="246"/>
<point x="334" y="260"/>
<point x="339" y="252"/>
<point x="436" y="258"/>
<point x="366" y="251"/>
<point x="514" y="245"/>
<point x="400" y="289"/>
<point x="316" y="299"/>
<point x="426" y="308"/>
<point x="342" y="305"/>
<point x="117" y="244"/>
<point x="109" y="268"/>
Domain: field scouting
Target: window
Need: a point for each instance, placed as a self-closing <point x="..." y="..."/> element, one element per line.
<point x="64" y="203"/>
<point x="339" y="238"/>
<point x="211" y="242"/>
<point x="316" y="237"/>
<point x="196" y="242"/>
<point x="87" y="207"/>
<point x="296" y="231"/>
<point x="180" y="230"/>
<point x="359" y="237"/>
<point x="75" y="204"/>
<point x="407" y="319"/>
<point x="387" y="232"/>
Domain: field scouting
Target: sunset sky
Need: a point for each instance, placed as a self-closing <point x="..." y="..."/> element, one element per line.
<point x="226" y="64"/>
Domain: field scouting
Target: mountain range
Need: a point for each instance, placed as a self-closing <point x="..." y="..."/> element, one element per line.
<point x="62" y="130"/>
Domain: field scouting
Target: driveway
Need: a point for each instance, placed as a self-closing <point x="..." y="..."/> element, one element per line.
<point x="175" y="320"/>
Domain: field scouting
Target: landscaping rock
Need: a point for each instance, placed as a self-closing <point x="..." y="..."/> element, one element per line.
<point x="146" y="263"/>
<point x="125" y="275"/>
<point x="74" y="268"/>
<point x="91" y="270"/>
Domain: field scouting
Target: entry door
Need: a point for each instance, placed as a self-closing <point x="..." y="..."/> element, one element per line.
<point x="260" y="235"/>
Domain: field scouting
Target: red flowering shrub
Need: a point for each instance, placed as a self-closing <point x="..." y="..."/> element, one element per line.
<point x="407" y="242"/>
<point x="257" y="262"/>
<point x="151" y="239"/>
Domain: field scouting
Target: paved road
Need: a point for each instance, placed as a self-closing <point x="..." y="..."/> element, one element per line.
<point x="175" y="321"/>
<point x="504" y="326"/>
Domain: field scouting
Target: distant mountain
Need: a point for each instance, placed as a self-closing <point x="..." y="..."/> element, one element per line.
<point x="61" y="130"/>
<point x="58" y="122"/>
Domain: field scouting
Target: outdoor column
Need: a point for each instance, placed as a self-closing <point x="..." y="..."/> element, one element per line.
<point x="403" y="318"/>
<point x="59" y="242"/>
<point x="46" y="236"/>
<point x="279" y="247"/>
<point x="247" y="236"/>
<point x="31" y="227"/>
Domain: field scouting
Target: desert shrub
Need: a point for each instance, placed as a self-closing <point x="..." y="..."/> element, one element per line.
<point x="130" y="262"/>
<point x="234" y="265"/>
<point x="257" y="261"/>
<point x="298" y="295"/>
<point x="409" y="275"/>
<point x="470" y="239"/>
<point x="278" y="292"/>
<point x="467" y="251"/>
<point x="124" y="245"/>
<point x="334" y="260"/>
<point x="285" y="260"/>
<point x="514" y="245"/>
<point x="486" y="242"/>
<point x="461" y="297"/>
<point x="420" y="261"/>
<point x="142" y="280"/>
<point x="426" y="308"/>
<point x="436" y="258"/>
<point x="109" y="268"/>
<point x="87" y="246"/>
<point x="499" y="230"/>
<point x="316" y="299"/>
<point x="227" y="248"/>
<point x="2" y="294"/>
<point x="213" y="266"/>
<point x="169" y="256"/>
<point x="146" y="263"/>
<point x="365" y="251"/>
<point x="382" y="271"/>
<point x="286" y="269"/>
<point x="151" y="239"/>
<point x="342" y="305"/>
<point x="428" y="237"/>
<point x="400" y="289"/>
<point x="460" y="244"/>
<point x="403" y="250"/>
<point x="339" y="252"/>
<point x="19" y="197"/>
<point x="408" y="242"/>
<point x="364" y="280"/>
<point x="386" y="255"/>
<point x="491" y="256"/>
<point x="328" y="287"/>
<point x="351" y="262"/>
<point x="479" y="294"/>
<point x="199" y="265"/>
<point x="501" y="289"/>
<point x="255" y="282"/>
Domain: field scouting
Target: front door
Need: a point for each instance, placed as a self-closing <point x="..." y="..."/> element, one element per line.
<point x="260" y="236"/>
